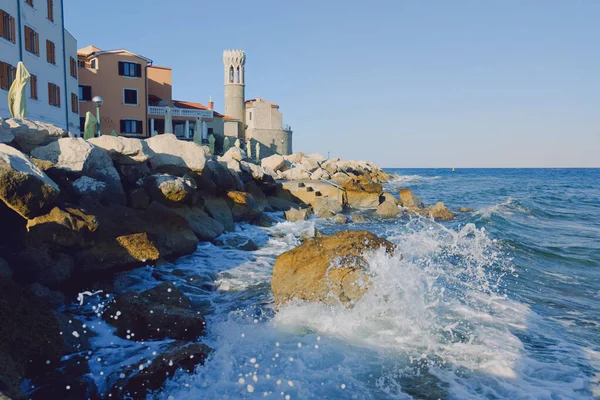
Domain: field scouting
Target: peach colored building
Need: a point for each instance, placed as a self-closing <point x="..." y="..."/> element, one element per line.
<point x="136" y="95"/>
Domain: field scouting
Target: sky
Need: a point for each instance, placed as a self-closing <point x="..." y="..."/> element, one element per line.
<point x="402" y="83"/>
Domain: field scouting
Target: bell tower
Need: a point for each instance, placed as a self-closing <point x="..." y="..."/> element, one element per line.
<point x="235" y="86"/>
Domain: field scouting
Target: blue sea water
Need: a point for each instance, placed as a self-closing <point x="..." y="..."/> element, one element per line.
<point x="501" y="303"/>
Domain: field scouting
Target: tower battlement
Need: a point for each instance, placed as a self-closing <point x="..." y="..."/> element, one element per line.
<point x="234" y="58"/>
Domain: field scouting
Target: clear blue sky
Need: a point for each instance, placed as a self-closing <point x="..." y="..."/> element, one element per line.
<point x="403" y="83"/>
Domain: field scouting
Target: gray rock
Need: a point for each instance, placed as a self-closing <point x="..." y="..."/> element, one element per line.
<point x="274" y="162"/>
<point x="176" y="156"/>
<point x="5" y="270"/>
<point x="86" y="186"/>
<point x="309" y="164"/>
<point x="218" y="208"/>
<point x="234" y="153"/>
<point x="139" y="199"/>
<point x="341" y="219"/>
<point x="23" y="186"/>
<point x="295" y="214"/>
<point x="52" y="298"/>
<point x="358" y="218"/>
<point x="124" y="150"/>
<point x="31" y="134"/>
<point x="168" y="189"/>
<point x="78" y="155"/>
<point x="205" y="227"/>
<point x="6" y="135"/>
<point x="326" y="207"/>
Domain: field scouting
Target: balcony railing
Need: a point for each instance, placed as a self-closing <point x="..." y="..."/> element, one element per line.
<point x="181" y="112"/>
<point x="286" y="127"/>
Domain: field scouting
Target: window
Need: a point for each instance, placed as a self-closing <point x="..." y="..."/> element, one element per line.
<point x="7" y="75"/>
<point x="53" y="95"/>
<point x="130" y="69"/>
<point x="73" y="68"/>
<point x="81" y="124"/>
<point x="50" y="52"/>
<point x="32" y="41"/>
<point x="30" y="2"/>
<point x="250" y="117"/>
<point x="130" y="96"/>
<point x="51" y="10"/>
<point x="85" y="93"/>
<point x="74" y="103"/>
<point x="81" y="63"/>
<point x="33" y="87"/>
<point x="93" y="64"/>
<point x="231" y="74"/>
<point x="237" y="76"/>
<point x="7" y="26"/>
<point x="131" y="126"/>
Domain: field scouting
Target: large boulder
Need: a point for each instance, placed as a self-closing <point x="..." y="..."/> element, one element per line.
<point x="409" y="200"/>
<point x="136" y="383"/>
<point x="174" y="156"/>
<point x="245" y="206"/>
<point x="440" y="212"/>
<point x="362" y="199"/>
<point x="168" y="189"/>
<point x="220" y="176"/>
<point x="331" y="269"/>
<point x="89" y="187"/>
<point x="6" y="135"/>
<point x="124" y="150"/>
<point x="295" y="214"/>
<point x="326" y="207"/>
<point x="31" y="342"/>
<point x="309" y="164"/>
<point x="23" y="186"/>
<point x="294" y="158"/>
<point x="317" y="157"/>
<point x="331" y="166"/>
<point x="158" y="313"/>
<point x="205" y="227"/>
<point x="80" y="156"/>
<point x="63" y="227"/>
<point x="234" y="153"/>
<point x="275" y="162"/>
<point x="31" y="134"/>
<point x="281" y="204"/>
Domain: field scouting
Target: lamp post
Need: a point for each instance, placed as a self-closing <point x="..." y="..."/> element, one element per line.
<point x="97" y="100"/>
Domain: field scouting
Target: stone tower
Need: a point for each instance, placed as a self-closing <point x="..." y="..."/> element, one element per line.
<point x="235" y="106"/>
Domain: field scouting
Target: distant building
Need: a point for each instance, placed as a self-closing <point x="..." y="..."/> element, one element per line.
<point x="32" y="31"/>
<point x="254" y="121"/>
<point x="136" y="94"/>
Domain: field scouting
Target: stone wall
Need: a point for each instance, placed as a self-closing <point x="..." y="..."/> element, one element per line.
<point x="270" y="140"/>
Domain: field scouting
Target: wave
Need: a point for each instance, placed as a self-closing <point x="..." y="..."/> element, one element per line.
<point x="404" y="179"/>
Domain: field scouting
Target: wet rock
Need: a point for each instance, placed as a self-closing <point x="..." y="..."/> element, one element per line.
<point x="340" y="219"/>
<point x="465" y="209"/>
<point x="70" y="381"/>
<point x="30" y="338"/>
<point x="441" y="212"/>
<point x="326" y="207"/>
<point x="295" y="214"/>
<point x="168" y="189"/>
<point x="358" y="218"/>
<point x="205" y="227"/>
<point x="332" y="269"/>
<point x="389" y="207"/>
<point x="161" y="312"/>
<point x="124" y="150"/>
<point x="220" y="177"/>
<point x="123" y="251"/>
<point x="245" y="206"/>
<point x="75" y="336"/>
<point x="174" y="156"/>
<point x="131" y="174"/>
<point x="78" y="155"/>
<point x="178" y="356"/>
<point x="237" y="242"/>
<point x="23" y="186"/>
<point x="280" y="204"/>
<point x="31" y="134"/>
<point x="57" y="271"/>
<point x="52" y="298"/>
<point x="409" y="200"/>
<point x="362" y="199"/>
<point x="264" y="221"/>
<point x="218" y="209"/>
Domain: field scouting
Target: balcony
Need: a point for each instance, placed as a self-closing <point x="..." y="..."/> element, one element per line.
<point x="182" y="112"/>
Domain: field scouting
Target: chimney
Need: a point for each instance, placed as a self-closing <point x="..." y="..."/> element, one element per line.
<point x="211" y="104"/>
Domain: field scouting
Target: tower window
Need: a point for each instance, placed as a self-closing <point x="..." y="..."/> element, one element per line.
<point x="250" y="116"/>
<point x="237" y="77"/>
<point x="231" y="74"/>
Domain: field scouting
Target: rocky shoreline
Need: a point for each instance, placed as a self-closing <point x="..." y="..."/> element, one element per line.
<point x="75" y="213"/>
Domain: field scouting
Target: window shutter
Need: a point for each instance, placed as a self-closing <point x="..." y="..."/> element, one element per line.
<point x="50" y="93"/>
<point x="2" y="23"/>
<point x="2" y="75"/>
<point x="138" y="70"/>
<point x="37" y="44"/>
<point x="122" y="126"/>
<point x="12" y="29"/>
<point x="27" y="39"/>
<point x="121" y="68"/>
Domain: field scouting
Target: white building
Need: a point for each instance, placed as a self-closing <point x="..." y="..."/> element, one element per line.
<point x="32" y="31"/>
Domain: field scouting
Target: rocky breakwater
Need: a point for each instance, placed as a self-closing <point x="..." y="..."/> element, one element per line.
<point x="75" y="212"/>
<point x="332" y="270"/>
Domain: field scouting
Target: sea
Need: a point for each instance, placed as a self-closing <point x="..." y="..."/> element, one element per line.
<point x="501" y="303"/>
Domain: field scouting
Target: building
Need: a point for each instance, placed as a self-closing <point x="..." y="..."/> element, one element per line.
<point x="136" y="96"/>
<point x="32" y="31"/>
<point x="253" y="121"/>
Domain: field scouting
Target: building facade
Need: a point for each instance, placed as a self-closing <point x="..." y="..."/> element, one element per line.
<point x="32" y="31"/>
<point x="257" y="121"/>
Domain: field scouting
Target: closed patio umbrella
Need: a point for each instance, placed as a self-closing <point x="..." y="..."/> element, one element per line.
<point x="17" y="99"/>
<point x="226" y="144"/>
<point x="89" y="129"/>
<point x="198" y="131"/>
<point x="168" y="120"/>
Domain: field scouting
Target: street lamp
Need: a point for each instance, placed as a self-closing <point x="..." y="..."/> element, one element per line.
<point x="97" y="100"/>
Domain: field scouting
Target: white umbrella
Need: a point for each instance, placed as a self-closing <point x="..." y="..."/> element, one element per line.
<point x="168" y="120"/>
<point x="17" y="104"/>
